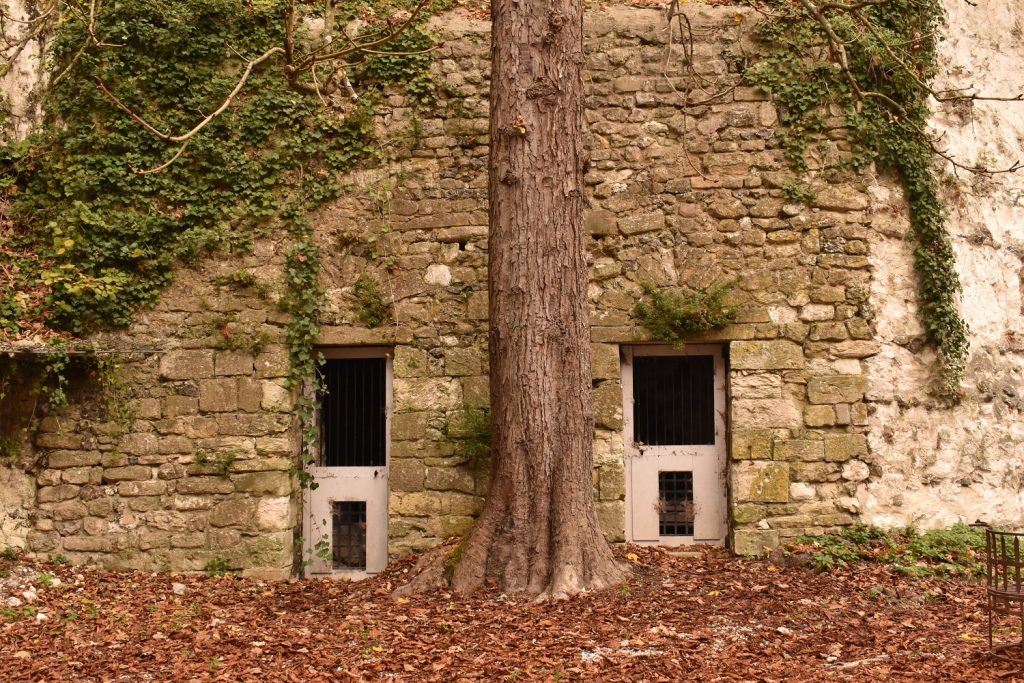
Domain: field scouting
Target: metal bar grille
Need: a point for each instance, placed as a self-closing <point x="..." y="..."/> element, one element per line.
<point x="352" y="413"/>
<point x="674" y="400"/>
<point x="348" y="534"/>
<point x="1005" y="560"/>
<point x="675" y="503"/>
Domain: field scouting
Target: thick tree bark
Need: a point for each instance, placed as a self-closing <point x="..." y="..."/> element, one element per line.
<point x="538" y="532"/>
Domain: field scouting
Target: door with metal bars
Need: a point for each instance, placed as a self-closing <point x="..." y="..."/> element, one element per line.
<point x="345" y="520"/>
<point x="675" y="444"/>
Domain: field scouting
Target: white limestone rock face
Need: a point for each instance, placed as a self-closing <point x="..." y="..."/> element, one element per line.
<point x="935" y="465"/>
<point x="20" y="88"/>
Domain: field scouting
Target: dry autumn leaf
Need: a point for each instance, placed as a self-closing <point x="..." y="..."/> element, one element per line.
<point x="690" y="618"/>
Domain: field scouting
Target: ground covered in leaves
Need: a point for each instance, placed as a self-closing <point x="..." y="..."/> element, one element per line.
<point x="707" y="617"/>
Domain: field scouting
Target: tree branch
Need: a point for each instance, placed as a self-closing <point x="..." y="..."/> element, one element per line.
<point x="295" y="65"/>
<point x="36" y="26"/>
<point x="367" y="46"/>
<point x="157" y="169"/>
<point x="185" y="137"/>
<point x="837" y="48"/>
<point x="940" y="95"/>
<point x="90" y="41"/>
<point x="979" y="170"/>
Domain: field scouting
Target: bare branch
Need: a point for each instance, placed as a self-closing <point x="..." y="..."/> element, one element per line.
<point x="316" y="83"/>
<point x="123" y="107"/>
<point x="348" y="86"/>
<point x="413" y="53"/>
<point x="854" y="7"/>
<point x="90" y="41"/>
<point x="91" y="26"/>
<point x="70" y="65"/>
<point x="295" y="66"/>
<point x="157" y="169"/>
<point x="329" y="21"/>
<point x="185" y="137"/>
<point x="836" y="45"/>
<point x="980" y="170"/>
<point x="35" y="27"/>
<point x="945" y="97"/>
<point x="289" y="34"/>
<point x="686" y="35"/>
<point x="837" y="48"/>
<point x="354" y="46"/>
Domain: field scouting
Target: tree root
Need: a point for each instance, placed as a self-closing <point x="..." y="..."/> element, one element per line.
<point x="442" y="568"/>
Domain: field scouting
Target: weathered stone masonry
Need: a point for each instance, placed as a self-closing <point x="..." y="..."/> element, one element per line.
<point x="682" y="196"/>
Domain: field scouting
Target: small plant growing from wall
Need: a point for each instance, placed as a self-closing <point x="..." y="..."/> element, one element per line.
<point x="797" y="191"/>
<point x="470" y="434"/>
<point x="242" y="279"/>
<point x="230" y="335"/>
<point x="220" y="462"/>
<point x="371" y="308"/>
<point x="218" y="566"/>
<point x="10" y="450"/>
<point x="673" y="317"/>
<point x="30" y="386"/>
<point x="114" y="390"/>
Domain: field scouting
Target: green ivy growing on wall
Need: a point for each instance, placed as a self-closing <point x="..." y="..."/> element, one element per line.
<point x="90" y="239"/>
<point x="100" y="239"/>
<point x="890" y="48"/>
<point x="32" y="384"/>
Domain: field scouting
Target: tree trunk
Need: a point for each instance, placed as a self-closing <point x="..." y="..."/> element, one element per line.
<point x="538" y="532"/>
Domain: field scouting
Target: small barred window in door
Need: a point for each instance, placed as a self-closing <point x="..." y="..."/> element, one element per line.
<point x="348" y="534"/>
<point x="675" y="503"/>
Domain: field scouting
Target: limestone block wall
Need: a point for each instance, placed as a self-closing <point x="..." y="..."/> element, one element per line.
<point x="16" y="505"/>
<point x="181" y="453"/>
<point x="17" y="485"/>
<point x="682" y="196"/>
<point x="689" y="188"/>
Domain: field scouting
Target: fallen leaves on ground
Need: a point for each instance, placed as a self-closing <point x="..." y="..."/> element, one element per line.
<point x="703" y="616"/>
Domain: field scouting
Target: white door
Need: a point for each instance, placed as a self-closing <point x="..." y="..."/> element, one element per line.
<point x="675" y="444"/>
<point x="345" y="518"/>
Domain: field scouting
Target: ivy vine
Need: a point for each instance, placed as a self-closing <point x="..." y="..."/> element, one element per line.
<point x="89" y="239"/>
<point x="889" y="50"/>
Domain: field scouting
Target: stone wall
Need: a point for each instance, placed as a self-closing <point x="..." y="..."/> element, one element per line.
<point x="933" y="464"/>
<point x="16" y="505"/>
<point x="683" y="196"/>
<point x="17" y="485"/>
<point x="688" y="188"/>
<point x="180" y="452"/>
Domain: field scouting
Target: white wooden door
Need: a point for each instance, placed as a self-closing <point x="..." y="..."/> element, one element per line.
<point x="345" y="520"/>
<point x="675" y="444"/>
